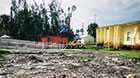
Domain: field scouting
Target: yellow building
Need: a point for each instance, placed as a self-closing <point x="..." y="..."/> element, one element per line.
<point x="118" y="36"/>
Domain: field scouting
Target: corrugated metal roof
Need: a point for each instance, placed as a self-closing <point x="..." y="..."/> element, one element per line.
<point x="123" y="24"/>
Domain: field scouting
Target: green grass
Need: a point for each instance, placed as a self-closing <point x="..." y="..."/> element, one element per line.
<point x="85" y="59"/>
<point x="132" y="54"/>
<point x="3" y="52"/>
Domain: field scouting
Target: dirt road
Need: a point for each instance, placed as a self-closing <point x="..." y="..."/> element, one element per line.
<point x="60" y="63"/>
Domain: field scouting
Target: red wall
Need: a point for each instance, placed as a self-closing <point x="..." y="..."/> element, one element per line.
<point x="55" y="39"/>
<point x="44" y="39"/>
<point x="65" y="40"/>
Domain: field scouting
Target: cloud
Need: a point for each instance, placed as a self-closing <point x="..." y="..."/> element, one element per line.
<point x="4" y="6"/>
<point x="133" y="5"/>
<point x="107" y="11"/>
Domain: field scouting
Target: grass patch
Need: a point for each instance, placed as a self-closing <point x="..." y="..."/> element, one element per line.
<point x="132" y="54"/>
<point x="3" y="52"/>
<point x="85" y="59"/>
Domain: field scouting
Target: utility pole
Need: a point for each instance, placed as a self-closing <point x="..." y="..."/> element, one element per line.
<point x="82" y="30"/>
<point x="95" y="18"/>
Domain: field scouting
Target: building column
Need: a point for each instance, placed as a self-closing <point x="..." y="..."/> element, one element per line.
<point x="117" y="37"/>
<point x="134" y="36"/>
<point x="114" y="37"/>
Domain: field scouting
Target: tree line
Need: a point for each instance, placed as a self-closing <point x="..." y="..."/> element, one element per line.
<point x="30" y="22"/>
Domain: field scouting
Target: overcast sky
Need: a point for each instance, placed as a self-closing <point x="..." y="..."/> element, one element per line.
<point x="107" y="11"/>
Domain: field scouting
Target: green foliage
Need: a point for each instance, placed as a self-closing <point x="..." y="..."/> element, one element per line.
<point x="4" y="24"/>
<point x="3" y="52"/>
<point x="132" y="54"/>
<point x="54" y="10"/>
<point x="90" y="46"/>
<point x="86" y="59"/>
<point x="92" y="29"/>
<point x="77" y="31"/>
<point x="82" y="31"/>
<point x="32" y="22"/>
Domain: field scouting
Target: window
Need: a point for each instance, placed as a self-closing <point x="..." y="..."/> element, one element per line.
<point x="128" y="36"/>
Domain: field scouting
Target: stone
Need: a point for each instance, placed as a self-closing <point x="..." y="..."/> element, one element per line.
<point x="3" y="76"/>
<point x="130" y="76"/>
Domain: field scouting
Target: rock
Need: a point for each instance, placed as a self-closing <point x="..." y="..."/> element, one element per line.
<point x="126" y="68"/>
<point x="138" y="75"/>
<point x="130" y="76"/>
<point x="3" y="76"/>
<point x="63" y="76"/>
<point x="21" y="72"/>
<point x="60" y="64"/>
<point x="36" y="59"/>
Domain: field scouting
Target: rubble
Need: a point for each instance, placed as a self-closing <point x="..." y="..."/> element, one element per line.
<point x="61" y="63"/>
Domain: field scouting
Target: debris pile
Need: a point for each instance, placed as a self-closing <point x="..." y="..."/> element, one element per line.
<point x="67" y="64"/>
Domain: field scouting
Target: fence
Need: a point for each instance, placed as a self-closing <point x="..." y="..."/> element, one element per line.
<point x="16" y="44"/>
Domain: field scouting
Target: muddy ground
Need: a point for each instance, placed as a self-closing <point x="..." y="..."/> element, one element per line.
<point x="60" y="63"/>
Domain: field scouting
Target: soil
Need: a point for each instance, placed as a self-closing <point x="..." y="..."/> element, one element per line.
<point x="66" y="63"/>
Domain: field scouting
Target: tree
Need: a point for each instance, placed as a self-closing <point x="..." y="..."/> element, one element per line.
<point x="92" y="29"/>
<point x="45" y="20"/>
<point x="77" y="31"/>
<point x="54" y="10"/>
<point x="5" y="24"/>
<point x="69" y="14"/>
<point x="27" y="20"/>
<point x="82" y="31"/>
<point x="30" y="22"/>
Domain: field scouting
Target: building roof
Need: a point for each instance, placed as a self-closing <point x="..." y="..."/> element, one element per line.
<point x="123" y="24"/>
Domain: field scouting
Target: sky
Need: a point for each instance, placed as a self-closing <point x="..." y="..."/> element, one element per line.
<point x="107" y="12"/>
